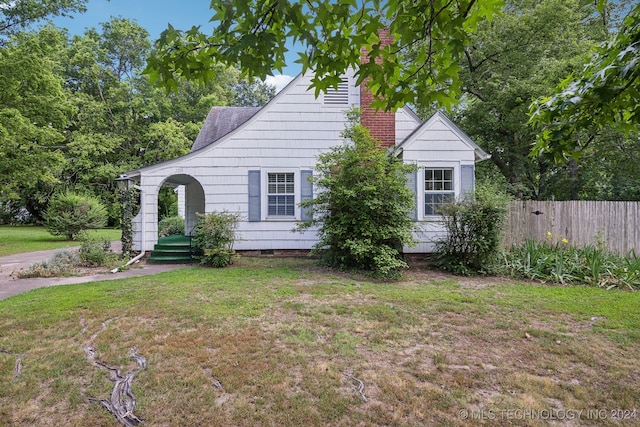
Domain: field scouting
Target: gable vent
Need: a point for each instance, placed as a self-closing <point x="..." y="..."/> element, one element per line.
<point x="339" y="96"/>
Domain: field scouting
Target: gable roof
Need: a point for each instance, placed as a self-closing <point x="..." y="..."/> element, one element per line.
<point x="221" y="121"/>
<point x="480" y="154"/>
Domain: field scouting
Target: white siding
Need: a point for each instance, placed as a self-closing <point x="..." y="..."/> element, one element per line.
<point x="406" y="123"/>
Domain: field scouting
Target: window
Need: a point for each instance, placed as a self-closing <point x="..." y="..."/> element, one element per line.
<point x="281" y="194"/>
<point x="438" y="189"/>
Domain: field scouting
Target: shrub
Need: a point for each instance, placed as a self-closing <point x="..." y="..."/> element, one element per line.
<point x="62" y="263"/>
<point x="92" y="253"/>
<point x="69" y="213"/>
<point x="362" y="208"/>
<point x="474" y="232"/>
<point x="96" y="252"/>
<point x="215" y="234"/>
<point x="171" y="225"/>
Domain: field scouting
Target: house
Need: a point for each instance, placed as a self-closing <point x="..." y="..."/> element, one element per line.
<point x="256" y="162"/>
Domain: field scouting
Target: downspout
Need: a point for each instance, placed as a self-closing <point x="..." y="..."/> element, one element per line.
<point x="142" y="234"/>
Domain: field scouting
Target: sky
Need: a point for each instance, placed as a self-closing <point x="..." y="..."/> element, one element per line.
<point x="154" y="16"/>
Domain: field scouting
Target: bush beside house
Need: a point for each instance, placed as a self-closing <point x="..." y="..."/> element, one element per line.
<point x="215" y="234"/>
<point x="362" y="208"/>
<point x="70" y="213"/>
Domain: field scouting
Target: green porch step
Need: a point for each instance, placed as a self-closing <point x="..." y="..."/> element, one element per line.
<point x="169" y="259"/>
<point x="171" y="250"/>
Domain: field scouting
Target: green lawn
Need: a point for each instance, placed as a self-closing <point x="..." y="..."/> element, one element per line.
<point x="19" y="239"/>
<point x="290" y="344"/>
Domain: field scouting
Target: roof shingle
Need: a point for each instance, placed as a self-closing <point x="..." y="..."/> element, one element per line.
<point x="220" y="121"/>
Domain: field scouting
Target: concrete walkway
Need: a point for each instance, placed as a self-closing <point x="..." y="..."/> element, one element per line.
<point x="10" y="285"/>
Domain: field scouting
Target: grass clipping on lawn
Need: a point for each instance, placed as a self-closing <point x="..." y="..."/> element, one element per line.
<point x="282" y="342"/>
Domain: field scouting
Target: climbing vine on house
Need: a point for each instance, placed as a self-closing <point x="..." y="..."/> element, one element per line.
<point x="128" y="199"/>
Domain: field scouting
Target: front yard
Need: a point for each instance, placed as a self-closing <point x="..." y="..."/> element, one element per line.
<point x="283" y="342"/>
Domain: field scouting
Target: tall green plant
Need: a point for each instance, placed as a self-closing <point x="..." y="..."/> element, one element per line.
<point x="70" y="213"/>
<point x="362" y="207"/>
<point x="215" y="235"/>
<point x="561" y="262"/>
<point x="474" y="232"/>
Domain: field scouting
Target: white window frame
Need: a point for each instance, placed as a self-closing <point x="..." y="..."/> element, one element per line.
<point x="443" y="192"/>
<point x="267" y="194"/>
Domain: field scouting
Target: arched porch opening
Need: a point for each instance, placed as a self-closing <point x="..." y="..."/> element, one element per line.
<point x="190" y="198"/>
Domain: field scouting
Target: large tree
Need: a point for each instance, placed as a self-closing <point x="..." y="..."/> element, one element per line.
<point x="120" y="122"/>
<point x="34" y="112"/>
<point x="519" y="56"/>
<point x="604" y="94"/>
<point x="16" y="15"/>
<point x="254" y="35"/>
<point x="75" y="113"/>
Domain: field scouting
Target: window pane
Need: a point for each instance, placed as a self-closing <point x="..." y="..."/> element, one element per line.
<point x="272" y="207"/>
<point x="433" y="202"/>
<point x="289" y="209"/>
<point x="438" y="179"/>
<point x="429" y="204"/>
<point x="281" y="206"/>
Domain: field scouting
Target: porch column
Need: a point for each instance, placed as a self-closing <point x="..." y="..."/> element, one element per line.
<point x="149" y="211"/>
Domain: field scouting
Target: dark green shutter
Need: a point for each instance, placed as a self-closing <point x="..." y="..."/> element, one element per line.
<point x="254" y="196"/>
<point x="467" y="180"/>
<point x="306" y="193"/>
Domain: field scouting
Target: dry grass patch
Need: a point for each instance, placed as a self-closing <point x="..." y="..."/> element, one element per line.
<point x="282" y="342"/>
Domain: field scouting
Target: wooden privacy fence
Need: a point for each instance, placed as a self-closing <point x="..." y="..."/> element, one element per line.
<point x="614" y="224"/>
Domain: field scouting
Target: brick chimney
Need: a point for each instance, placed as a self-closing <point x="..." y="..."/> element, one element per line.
<point x="381" y="124"/>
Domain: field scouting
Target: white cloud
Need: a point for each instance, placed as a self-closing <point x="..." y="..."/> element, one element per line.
<point x="279" y="81"/>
